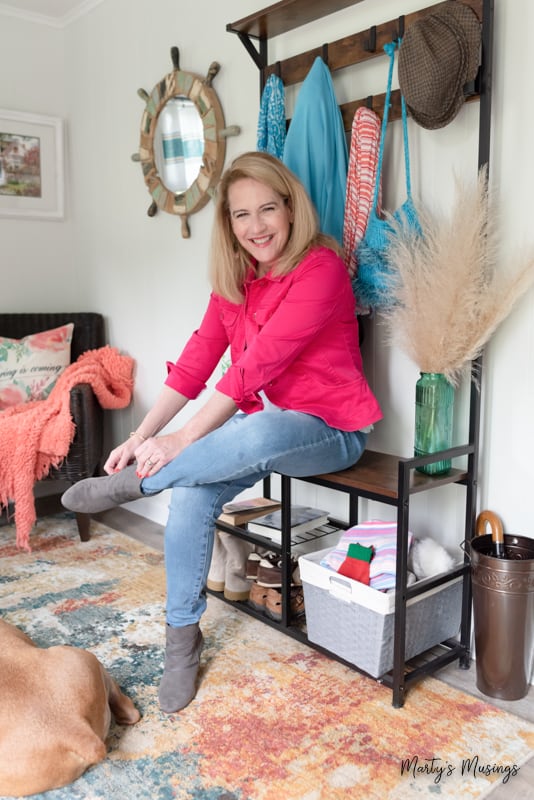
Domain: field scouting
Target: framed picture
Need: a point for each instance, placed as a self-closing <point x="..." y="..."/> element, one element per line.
<point x="31" y="166"/>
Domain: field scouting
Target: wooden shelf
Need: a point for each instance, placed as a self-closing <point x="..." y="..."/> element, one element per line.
<point x="350" y="50"/>
<point x="377" y="474"/>
<point x="285" y="16"/>
<point x="353" y="48"/>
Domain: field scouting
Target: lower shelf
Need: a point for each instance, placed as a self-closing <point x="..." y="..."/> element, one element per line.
<point x="420" y="666"/>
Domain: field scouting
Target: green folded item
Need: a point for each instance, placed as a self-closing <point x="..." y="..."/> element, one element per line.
<point x="360" y="552"/>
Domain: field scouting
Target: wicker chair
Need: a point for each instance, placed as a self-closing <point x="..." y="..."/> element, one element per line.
<point x="86" y="449"/>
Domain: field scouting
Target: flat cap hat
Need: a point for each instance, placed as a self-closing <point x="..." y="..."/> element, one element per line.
<point x="438" y="55"/>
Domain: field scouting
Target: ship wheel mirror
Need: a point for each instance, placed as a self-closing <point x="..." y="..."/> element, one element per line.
<point x="183" y="142"/>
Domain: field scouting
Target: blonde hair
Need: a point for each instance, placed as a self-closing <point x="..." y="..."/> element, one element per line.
<point x="229" y="261"/>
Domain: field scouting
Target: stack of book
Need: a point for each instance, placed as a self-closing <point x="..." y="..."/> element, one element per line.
<point x="263" y="517"/>
<point x="304" y="519"/>
<point x="239" y="512"/>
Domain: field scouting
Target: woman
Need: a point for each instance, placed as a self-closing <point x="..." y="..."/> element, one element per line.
<point x="294" y="399"/>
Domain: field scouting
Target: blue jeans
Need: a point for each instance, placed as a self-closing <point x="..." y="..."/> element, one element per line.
<point x="213" y="470"/>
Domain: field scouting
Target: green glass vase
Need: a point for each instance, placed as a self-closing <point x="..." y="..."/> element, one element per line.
<point x="434" y="408"/>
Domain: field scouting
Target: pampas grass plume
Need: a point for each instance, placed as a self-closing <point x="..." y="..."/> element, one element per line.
<point x="448" y="297"/>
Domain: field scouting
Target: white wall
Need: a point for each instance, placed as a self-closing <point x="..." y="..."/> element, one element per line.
<point x="151" y="284"/>
<point x="35" y="256"/>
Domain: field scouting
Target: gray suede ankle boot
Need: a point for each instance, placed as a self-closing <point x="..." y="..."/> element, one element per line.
<point x="182" y="659"/>
<point x="99" y="494"/>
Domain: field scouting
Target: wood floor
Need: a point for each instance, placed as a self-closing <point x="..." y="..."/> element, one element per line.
<point x="520" y="787"/>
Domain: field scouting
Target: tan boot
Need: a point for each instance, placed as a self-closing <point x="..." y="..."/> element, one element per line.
<point x="217" y="573"/>
<point x="236" y="585"/>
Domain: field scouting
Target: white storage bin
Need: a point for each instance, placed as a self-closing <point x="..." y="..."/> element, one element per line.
<point x="356" y="622"/>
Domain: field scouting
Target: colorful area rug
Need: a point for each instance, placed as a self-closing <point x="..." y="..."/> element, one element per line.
<point x="273" y="719"/>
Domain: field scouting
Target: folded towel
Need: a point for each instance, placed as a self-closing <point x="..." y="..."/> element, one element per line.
<point x="36" y="436"/>
<point x="382" y="537"/>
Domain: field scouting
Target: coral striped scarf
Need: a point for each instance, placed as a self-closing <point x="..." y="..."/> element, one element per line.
<point x="363" y="160"/>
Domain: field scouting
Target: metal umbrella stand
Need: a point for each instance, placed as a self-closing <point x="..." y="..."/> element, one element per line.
<point x="502" y="573"/>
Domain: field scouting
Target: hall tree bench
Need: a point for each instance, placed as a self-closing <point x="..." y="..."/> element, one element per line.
<point x="381" y="477"/>
<point x="391" y="480"/>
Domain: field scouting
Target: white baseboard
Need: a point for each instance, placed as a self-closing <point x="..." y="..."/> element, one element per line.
<point x="155" y="508"/>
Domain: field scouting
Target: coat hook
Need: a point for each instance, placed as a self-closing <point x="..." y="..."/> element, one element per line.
<point x="370" y="45"/>
<point x="175" y="56"/>
<point x="212" y="72"/>
<point x="325" y="53"/>
<point x="231" y="130"/>
<point x="278" y="69"/>
<point x="470" y="88"/>
<point x="369" y="102"/>
<point x="400" y="30"/>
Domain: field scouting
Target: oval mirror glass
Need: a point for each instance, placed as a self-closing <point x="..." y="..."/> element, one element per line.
<point x="179" y="144"/>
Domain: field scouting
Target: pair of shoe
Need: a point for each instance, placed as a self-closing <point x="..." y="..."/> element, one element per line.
<point x="268" y="601"/>
<point x="228" y="566"/>
<point x="266" y="570"/>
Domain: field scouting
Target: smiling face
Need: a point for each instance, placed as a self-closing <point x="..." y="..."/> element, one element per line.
<point x="261" y="221"/>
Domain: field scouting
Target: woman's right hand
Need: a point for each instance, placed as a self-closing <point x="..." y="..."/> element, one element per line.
<point x="121" y="456"/>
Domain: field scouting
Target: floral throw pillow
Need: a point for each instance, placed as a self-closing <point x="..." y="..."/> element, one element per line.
<point x="29" y="367"/>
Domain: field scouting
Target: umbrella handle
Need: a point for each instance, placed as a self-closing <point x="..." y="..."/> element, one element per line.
<point x="495" y="524"/>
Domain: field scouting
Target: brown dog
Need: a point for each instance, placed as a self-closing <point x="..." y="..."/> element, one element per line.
<point x="55" y="713"/>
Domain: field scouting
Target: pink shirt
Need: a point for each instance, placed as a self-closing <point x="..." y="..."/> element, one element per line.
<point x="295" y="337"/>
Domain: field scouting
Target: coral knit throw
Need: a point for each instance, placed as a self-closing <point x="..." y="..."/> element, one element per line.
<point x="36" y="436"/>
